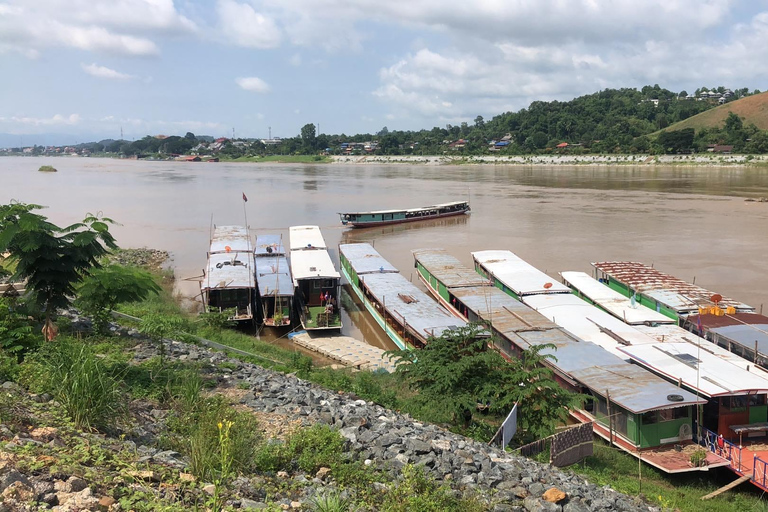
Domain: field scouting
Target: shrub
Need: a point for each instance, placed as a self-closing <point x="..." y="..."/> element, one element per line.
<point x="87" y="386"/>
<point x="315" y="447"/>
<point x="416" y="491"/>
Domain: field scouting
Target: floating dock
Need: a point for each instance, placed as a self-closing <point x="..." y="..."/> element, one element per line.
<point x="346" y="350"/>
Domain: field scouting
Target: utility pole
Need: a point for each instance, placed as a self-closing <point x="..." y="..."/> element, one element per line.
<point x="270" y="133"/>
<point x="121" y="133"/>
<point x="233" y="132"/>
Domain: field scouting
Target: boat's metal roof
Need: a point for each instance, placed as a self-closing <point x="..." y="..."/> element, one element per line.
<point x="676" y="334"/>
<point x="697" y="369"/>
<point x="312" y="265"/>
<point x="365" y="259"/>
<point x="710" y="321"/>
<point x="746" y="335"/>
<point x="679" y="295"/>
<point x="274" y="275"/>
<point x="620" y="306"/>
<point x="306" y="237"/>
<point x="421" y="208"/>
<point x="587" y="322"/>
<point x="234" y="237"/>
<point x="516" y="274"/>
<point x="631" y="387"/>
<point x="447" y="269"/>
<point x="505" y="313"/>
<point x="404" y="300"/>
<point x="269" y="245"/>
<point x="228" y="271"/>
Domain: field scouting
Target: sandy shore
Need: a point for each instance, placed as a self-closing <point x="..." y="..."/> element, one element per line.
<point x="696" y="160"/>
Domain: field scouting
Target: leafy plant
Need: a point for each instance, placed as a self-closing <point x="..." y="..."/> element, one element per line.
<point x="159" y="327"/>
<point x="106" y="287"/>
<point x="217" y="320"/>
<point x="16" y="334"/>
<point x="331" y="502"/>
<point x="53" y="260"/>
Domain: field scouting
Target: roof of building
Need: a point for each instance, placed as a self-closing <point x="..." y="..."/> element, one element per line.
<point x="408" y="303"/>
<point x="269" y="245"/>
<point x="306" y="238"/>
<point x="710" y="321"/>
<point x="516" y="274"/>
<point x="587" y="322"/>
<point x="234" y="237"/>
<point x="620" y="306"/>
<point x="273" y="276"/>
<point x="312" y="265"/>
<point x="679" y="295"/>
<point x="228" y="271"/>
<point x="365" y="259"/>
<point x="746" y="335"/>
<point x="697" y="369"/>
<point x="447" y="269"/>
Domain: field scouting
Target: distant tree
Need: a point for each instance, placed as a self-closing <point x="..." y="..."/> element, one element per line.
<point x="683" y="93"/>
<point x="676" y="140"/>
<point x="733" y="123"/>
<point x="479" y="122"/>
<point x="308" y="137"/>
<point x="383" y="131"/>
<point x="190" y="136"/>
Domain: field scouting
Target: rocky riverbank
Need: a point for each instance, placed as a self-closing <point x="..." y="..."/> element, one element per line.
<point x="703" y="160"/>
<point x="375" y="437"/>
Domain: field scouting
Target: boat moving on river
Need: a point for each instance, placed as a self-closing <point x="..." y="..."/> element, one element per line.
<point x="384" y="217"/>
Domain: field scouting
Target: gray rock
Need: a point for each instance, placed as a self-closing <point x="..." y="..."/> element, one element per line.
<point x="14" y="476"/>
<point x="532" y="504"/>
<point x="251" y="504"/>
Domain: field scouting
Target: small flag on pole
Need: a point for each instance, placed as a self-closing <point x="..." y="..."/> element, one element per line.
<point x="245" y="199"/>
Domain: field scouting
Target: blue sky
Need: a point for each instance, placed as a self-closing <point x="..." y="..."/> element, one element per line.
<point x="89" y="67"/>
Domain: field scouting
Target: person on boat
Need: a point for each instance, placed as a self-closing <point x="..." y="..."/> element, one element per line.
<point x="720" y="444"/>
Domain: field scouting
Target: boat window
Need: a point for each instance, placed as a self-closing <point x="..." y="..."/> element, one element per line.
<point x="649" y="418"/>
<point x="756" y="400"/>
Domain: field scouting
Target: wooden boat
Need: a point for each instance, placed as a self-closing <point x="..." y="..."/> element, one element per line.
<point x="273" y="280"/>
<point x="384" y="217"/>
<point x="315" y="279"/>
<point x="228" y="282"/>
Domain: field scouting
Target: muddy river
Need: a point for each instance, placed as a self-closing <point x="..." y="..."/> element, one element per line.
<point x="687" y="221"/>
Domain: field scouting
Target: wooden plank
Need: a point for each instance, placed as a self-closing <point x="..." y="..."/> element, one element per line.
<point x="728" y="487"/>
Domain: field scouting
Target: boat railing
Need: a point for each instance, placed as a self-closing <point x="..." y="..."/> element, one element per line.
<point x="759" y="467"/>
<point x="723" y="448"/>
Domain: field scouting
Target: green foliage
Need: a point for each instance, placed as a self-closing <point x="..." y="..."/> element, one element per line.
<point x="16" y="334"/>
<point x="217" y="320"/>
<point x="676" y="141"/>
<point x="53" y="260"/>
<point x="106" y="287"/>
<point x="415" y="491"/>
<point x="331" y="502"/>
<point x="308" y="449"/>
<point x="458" y="370"/>
<point x="160" y="327"/>
<point x="47" y="168"/>
<point x="86" y="385"/>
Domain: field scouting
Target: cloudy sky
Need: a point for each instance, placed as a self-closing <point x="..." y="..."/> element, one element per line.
<point x="90" y="67"/>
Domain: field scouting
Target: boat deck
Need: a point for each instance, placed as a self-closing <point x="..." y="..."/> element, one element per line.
<point x="346" y="350"/>
<point x="319" y="319"/>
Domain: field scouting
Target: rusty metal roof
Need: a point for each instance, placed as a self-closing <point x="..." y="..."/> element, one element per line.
<point x="714" y="321"/>
<point x="269" y="245"/>
<point x="681" y="296"/>
<point x="447" y="269"/>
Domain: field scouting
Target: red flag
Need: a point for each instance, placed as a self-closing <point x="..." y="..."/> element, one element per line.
<point x="245" y="199"/>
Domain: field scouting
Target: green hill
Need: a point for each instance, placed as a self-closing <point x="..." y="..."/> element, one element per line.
<point x="752" y="109"/>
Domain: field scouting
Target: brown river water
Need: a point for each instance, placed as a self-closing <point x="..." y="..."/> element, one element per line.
<point x="687" y="221"/>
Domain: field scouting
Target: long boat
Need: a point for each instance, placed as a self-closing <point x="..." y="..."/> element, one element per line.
<point x="735" y="387"/>
<point x="407" y="315"/>
<point x="273" y="277"/>
<point x="647" y="412"/>
<point x="228" y="282"/>
<point x="384" y="217"/>
<point x="315" y="279"/>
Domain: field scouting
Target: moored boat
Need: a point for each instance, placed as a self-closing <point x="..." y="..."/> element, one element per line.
<point x="228" y="282"/>
<point x="384" y="217"/>
<point x="315" y="279"/>
<point x="273" y="280"/>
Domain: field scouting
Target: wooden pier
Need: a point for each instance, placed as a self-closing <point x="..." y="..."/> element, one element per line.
<point x="346" y="350"/>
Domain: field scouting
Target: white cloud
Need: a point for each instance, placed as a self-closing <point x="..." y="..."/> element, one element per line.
<point x="55" y="120"/>
<point x="105" y="72"/>
<point x="119" y="27"/>
<point x="241" y="25"/>
<point x="253" y="83"/>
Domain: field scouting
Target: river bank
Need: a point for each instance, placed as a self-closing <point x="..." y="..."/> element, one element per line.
<point x="704" y="160"/>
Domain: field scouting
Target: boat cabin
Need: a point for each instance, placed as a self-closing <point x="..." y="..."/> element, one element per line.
<point x="273" y="278"/>
<point x="228" y="282"/>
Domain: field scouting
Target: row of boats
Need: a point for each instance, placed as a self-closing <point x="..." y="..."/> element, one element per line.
<point x="666" y="364"/>
<point x="260" y="284"/>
